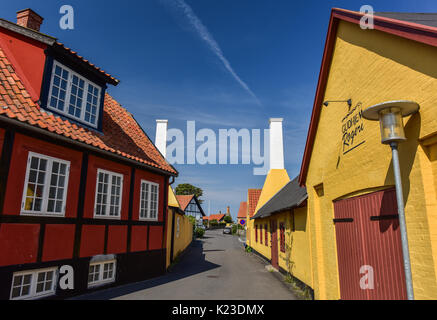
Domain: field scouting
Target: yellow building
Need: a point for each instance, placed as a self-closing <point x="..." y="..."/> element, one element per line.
<point x="282" y="233"/>
<point x="348" y="173"/>
<point x="179" y="229"/>
<point x="277" y="226"/>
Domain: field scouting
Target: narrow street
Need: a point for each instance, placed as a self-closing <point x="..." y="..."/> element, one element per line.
<point x="214" y="268"/>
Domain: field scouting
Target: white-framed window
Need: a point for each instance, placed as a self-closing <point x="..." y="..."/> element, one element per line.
<point x="101" y="273"/>
<point x="45" y="187"/>
<point x="149" y="197"/>
<point x="34" y="284"/>
<point x="109" y="189"/>
<point x="73" y="95"/>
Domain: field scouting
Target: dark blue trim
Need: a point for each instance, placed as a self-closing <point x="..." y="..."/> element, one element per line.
<point x="45" y="85"/>
<point x="102" y="103"/>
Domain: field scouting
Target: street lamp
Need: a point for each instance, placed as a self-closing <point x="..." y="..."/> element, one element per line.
<point x="390" y="116"/>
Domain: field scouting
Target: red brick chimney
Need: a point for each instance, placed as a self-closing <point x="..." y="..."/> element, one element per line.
<point x="29" y="19"/>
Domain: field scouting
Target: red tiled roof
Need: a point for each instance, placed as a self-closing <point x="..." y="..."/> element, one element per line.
<point x="184" y="200"/>
<point x="242" y="212"/>
<point x="217" y="217"/>
<point x="122" y="135"/>
<point x="252" y="200"/>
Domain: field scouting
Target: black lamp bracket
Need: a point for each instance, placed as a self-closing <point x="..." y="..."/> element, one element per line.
<point x="349" y="102"/>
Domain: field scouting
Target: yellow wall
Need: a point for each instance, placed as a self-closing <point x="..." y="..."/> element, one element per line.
<point x="263" y="248"/>
<point x="372" y="67"/>
<point x="169" y="234"/>
<point x="183" y="238"/>
<point x="297" y="241"/>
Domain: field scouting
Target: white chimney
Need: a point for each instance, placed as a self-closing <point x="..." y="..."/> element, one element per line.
<point x="161" y="136"/>
<point x="276" y="144"/>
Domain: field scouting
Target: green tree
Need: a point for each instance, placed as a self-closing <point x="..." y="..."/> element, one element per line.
<point x="185" y="189"/>
<point x="228" y="219"/>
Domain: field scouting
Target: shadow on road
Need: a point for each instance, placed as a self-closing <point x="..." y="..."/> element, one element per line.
<point x="193" y="262"/>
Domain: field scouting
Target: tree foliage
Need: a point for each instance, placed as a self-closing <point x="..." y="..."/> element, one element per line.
<point x="186" y="189"/>
<point x="228" y="219"/>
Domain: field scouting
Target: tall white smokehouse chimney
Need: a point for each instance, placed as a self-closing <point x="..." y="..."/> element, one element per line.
<point x="276" y="144"/>
<point x="161" y="136"/>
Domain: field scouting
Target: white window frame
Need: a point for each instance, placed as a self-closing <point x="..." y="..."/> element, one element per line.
<point x="108" y="199"/>
<point x="68" y="95"/>
<point x="33" y="284"/>
<point x="46" y="189"/>
<point x="149" y="202"/>
<point x="102" y="281"/>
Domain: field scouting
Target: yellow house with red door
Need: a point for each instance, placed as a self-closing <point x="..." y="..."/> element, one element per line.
<point x="355" y="241"/>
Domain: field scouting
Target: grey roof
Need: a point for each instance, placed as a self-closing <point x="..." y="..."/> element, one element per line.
<point x="290" y="196"/>
<point x="427" y="19"/>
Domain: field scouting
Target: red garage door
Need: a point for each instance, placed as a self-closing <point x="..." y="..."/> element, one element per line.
<point x="369" y="247"/>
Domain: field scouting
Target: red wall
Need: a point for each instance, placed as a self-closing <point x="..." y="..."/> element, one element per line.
<point x="139" y="238"/>
<point x="155" y="237"/>
<point x="18" y="243"/>
<point x="117" y="239"/>
<point x="58" y="242"/>
<point x="93" y="241"/>
<point x="28" y="58"/>
<point x="95" y="163"/>
<point x="17" y="173"/>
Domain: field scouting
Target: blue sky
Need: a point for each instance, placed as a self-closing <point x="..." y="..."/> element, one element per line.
<point x="167" y="71"/>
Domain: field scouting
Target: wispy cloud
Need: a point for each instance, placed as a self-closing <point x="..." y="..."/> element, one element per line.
<point x="183" y="8"/>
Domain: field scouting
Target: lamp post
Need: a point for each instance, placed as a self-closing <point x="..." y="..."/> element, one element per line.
<point x="389" y="115"/>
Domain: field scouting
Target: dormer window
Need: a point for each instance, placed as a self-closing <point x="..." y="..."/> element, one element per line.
<point x="73" y="95"/>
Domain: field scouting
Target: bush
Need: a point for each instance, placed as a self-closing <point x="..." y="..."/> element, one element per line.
<point x="234" y="229"/>
<point x="192" y="220"/>
<point x="199" y="232"/>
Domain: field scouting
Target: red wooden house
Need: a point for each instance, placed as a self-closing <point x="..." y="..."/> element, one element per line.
<point x="81" y="184"/>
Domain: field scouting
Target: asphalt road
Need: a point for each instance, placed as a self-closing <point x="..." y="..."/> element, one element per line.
<point x="213" y="268"/>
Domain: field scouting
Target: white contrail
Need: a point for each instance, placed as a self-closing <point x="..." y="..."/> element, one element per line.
<point x="209" y="39"/>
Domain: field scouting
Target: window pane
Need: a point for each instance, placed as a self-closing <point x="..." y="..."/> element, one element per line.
<point x="16" y="292"/>
<point x="91" y="104"/>
<point x="57" y="184"/>
<point x="144" y="200"/>
<point x="17" y="280"/>
<point x="59" y="88"/>
<point x="76" y="97"/>
<point x="36" y="185"/>
<point x="102" y="187"/>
